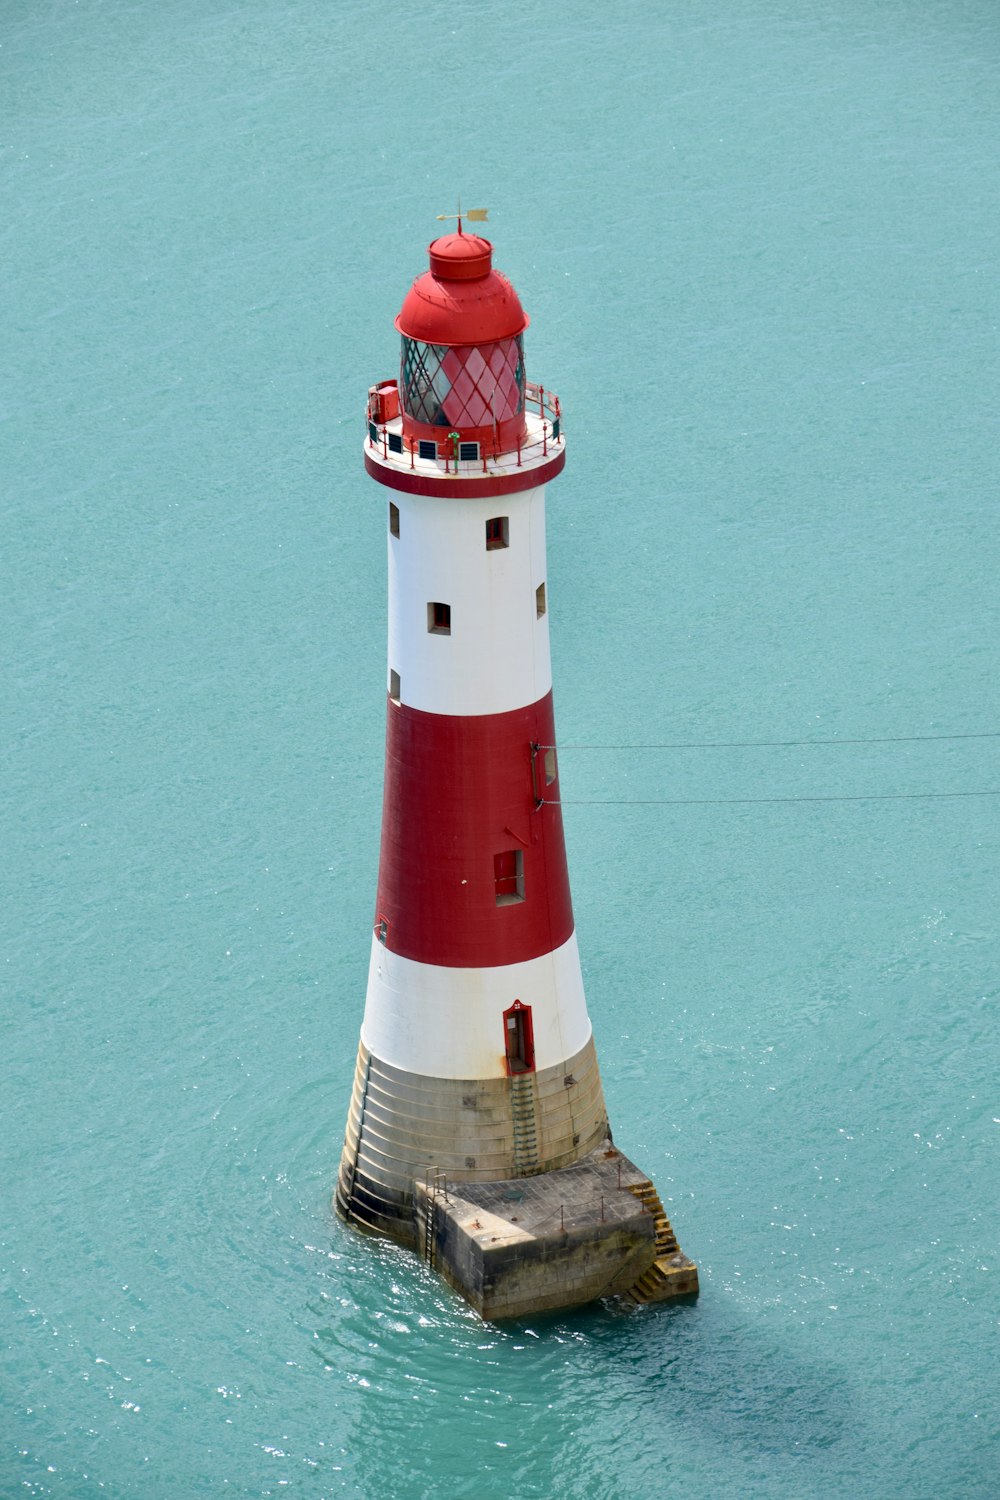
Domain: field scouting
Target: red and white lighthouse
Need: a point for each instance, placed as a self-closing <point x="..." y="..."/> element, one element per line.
<point x="477" y="1063"/>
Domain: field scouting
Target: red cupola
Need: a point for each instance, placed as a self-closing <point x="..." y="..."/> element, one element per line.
<point x="462" y="366"/>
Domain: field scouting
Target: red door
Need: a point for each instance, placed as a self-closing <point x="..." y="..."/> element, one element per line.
<point x="519" y="1039"/>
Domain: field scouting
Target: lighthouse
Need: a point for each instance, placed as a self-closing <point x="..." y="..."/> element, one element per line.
<point x="477" y="1132"/>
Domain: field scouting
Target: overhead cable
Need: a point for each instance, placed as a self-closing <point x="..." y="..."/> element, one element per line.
<point x="748" y="801"/>
<point x="890" y="739"/>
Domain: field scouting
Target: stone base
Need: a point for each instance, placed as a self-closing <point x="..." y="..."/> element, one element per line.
<point x="526" y="1245"/>
<point x="403" y="1127"/>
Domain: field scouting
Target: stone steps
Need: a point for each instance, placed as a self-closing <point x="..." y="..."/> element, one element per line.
<point x="671" y="1273"/>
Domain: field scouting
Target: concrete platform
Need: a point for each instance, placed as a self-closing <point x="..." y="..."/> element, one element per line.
<point x="526" y="1245"/>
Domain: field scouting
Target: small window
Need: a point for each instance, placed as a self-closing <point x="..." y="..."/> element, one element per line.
<point x="439" y="619"/>
<point x="394" y="693"/>
<point x="550" y="767"/>
<point x="468" y="451"/>
<point x="508" y="877"/>
<point x="395" y="442"/>
<point x="497" y="533"/>
<point x="428" y="449"/>
<point x="540" y="600"/>
<point x="393" y="518"/>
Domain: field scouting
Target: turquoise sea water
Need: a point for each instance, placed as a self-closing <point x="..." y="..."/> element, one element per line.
<point x="759" y="244"/>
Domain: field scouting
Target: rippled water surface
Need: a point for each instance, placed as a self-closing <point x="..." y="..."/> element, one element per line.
<point x="759" y="247"/>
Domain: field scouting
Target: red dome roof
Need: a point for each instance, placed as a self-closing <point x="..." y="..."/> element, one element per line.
<point x="461" y="299"/>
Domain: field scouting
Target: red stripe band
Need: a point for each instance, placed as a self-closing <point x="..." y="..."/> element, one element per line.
<point x="472" y="871"/>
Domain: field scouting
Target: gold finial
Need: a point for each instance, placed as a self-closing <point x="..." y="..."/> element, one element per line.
<point x="474" y="216"/>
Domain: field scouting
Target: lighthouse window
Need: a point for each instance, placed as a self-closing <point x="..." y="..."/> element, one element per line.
<point x="540" y="600"/>
<point x="508" y="877"/>
<point x="439" y="619"/>
<point x="393" y="518"/>
<point x="497" y="533"/>
<point x="550" y="766"/>
<point x="394" y="686"/>
<point x="428" y="449"/>
<point x="468" y="452"/>
<point x="395" y="442"/>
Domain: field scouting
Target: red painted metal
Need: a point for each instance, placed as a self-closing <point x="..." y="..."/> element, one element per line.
<point x="461" y="257"/>
<point x="384" y="401"/>
<point x="458" y="791"/>
<point x="461" y="299"/>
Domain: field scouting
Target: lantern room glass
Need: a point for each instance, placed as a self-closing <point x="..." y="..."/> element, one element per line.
<point x="462" y="387"/>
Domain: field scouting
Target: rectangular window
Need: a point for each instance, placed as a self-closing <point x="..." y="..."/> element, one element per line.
<point x="394" y="685"/>
<point x="497" y="533"/>
<point x="395" y="442"/>
<point x="439" y="619"/>
<point x="540" y="600"/>
<point x="550" y="767"/>
<point x="393" y="518"/>
<point x="508" y="877"/>
<point x="428" y="449"/>
<point x="468" y="451"/>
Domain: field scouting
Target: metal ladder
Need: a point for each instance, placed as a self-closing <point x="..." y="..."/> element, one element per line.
<point x="349" y="1184"/>
<point x="434" y="1189"/>
<point x="522" y="1109"/>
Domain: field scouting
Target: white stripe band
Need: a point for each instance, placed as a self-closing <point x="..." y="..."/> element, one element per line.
<point x="448" y="1023"/>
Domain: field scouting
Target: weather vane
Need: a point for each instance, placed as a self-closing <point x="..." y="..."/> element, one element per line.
<point x="474" y="215"/>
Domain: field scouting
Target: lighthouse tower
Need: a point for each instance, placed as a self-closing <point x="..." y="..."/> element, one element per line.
<point x="477" y="1115"/>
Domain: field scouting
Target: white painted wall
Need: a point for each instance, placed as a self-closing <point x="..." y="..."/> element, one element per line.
<point x="448" y="1023"/>
<point x="497" y="656"/>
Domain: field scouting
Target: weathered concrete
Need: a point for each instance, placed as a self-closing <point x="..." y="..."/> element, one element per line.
<point x="402" y="1125"/>
<point x="510" y="1186"/>
<point x="525" y="1245"/>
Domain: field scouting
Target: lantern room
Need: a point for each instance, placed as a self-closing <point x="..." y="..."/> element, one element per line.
<point x="462" y="364"/>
